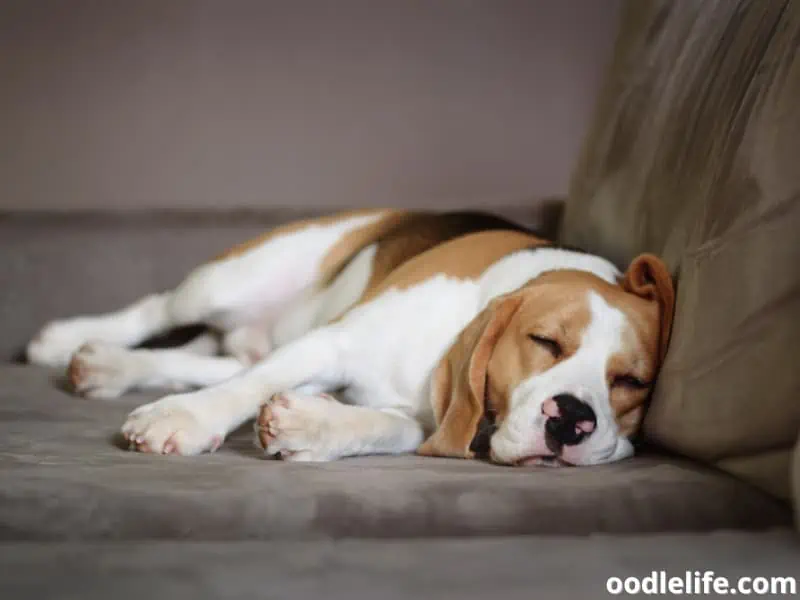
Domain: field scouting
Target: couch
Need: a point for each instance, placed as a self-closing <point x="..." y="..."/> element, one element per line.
<point x="691" y="154"/>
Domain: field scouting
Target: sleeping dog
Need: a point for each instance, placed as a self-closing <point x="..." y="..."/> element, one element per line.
<point x="453" y="334"/>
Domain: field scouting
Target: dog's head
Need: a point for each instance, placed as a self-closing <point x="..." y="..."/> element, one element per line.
<point x="561" y="368"/>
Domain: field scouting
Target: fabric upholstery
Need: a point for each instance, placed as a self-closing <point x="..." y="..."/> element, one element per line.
<point x="64" y="476"/>
<point x="693" y="156"/>
<point x="519" y="567"/>
<point x="796" y="484"/>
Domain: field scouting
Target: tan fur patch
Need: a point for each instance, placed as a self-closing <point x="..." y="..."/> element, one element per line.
<point x="465" y="257"/>
<point x="422" y="232"/>
<point x="358" y="239"/>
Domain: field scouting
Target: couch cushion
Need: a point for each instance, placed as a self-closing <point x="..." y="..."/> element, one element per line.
<point x="511" y="568"/>
<point x="693" y="155"/>
<point x="796" y="484"/>
<point x="63" y="477"/>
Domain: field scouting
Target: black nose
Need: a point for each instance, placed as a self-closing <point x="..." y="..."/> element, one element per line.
<point x="575" y="422"/>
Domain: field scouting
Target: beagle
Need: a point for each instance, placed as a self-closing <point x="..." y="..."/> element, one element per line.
<point x="454" y="334"/>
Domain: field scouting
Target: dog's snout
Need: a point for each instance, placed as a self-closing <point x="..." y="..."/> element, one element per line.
<point x="569" y="421"/>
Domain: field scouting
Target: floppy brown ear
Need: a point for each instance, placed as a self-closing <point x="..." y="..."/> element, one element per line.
<point x="630" y="422"/>
<point x="648" y="277"/>
<point x="458" y="384"/>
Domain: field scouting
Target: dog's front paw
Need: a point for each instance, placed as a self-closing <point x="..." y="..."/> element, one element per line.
<point x="297" y="427"/>
<point x="169" y="427"/>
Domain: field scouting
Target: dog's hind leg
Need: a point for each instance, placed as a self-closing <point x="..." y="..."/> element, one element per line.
<point x="103" y="370"/>
<point x="55" y="344"/>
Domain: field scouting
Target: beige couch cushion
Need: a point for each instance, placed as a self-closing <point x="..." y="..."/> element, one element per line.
<point x="796" y="484"/>
<point x="693" y="155"/>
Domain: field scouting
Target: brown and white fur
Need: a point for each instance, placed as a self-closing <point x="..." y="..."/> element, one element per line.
<point x="426" y="326"/>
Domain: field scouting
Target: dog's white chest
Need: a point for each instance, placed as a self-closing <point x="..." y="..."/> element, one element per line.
<point x="398" y="338"/>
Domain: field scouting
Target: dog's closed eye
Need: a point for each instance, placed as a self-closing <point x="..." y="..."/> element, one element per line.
<point x="629" y="381"/>
<point x="549" y="344"/>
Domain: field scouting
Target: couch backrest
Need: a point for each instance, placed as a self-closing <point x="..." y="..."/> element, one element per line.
<point x="693" y="154"/>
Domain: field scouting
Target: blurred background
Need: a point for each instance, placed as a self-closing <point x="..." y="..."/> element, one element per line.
<point x="308" y="104"/>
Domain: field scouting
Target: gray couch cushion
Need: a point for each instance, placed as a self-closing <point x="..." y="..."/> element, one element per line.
<point x="63" y="477"/>
<point x="510" y="568"/>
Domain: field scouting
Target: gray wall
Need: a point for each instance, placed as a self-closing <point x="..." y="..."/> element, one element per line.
<point x="298" y="103"/>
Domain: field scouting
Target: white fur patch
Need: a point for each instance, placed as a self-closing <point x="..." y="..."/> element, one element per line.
<point x="260" y="284"/>
<point x="515" y="270"/>
<point x="318" y="307"/>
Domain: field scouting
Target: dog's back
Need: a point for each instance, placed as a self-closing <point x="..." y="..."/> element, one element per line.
<point x="421" y="232"/>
